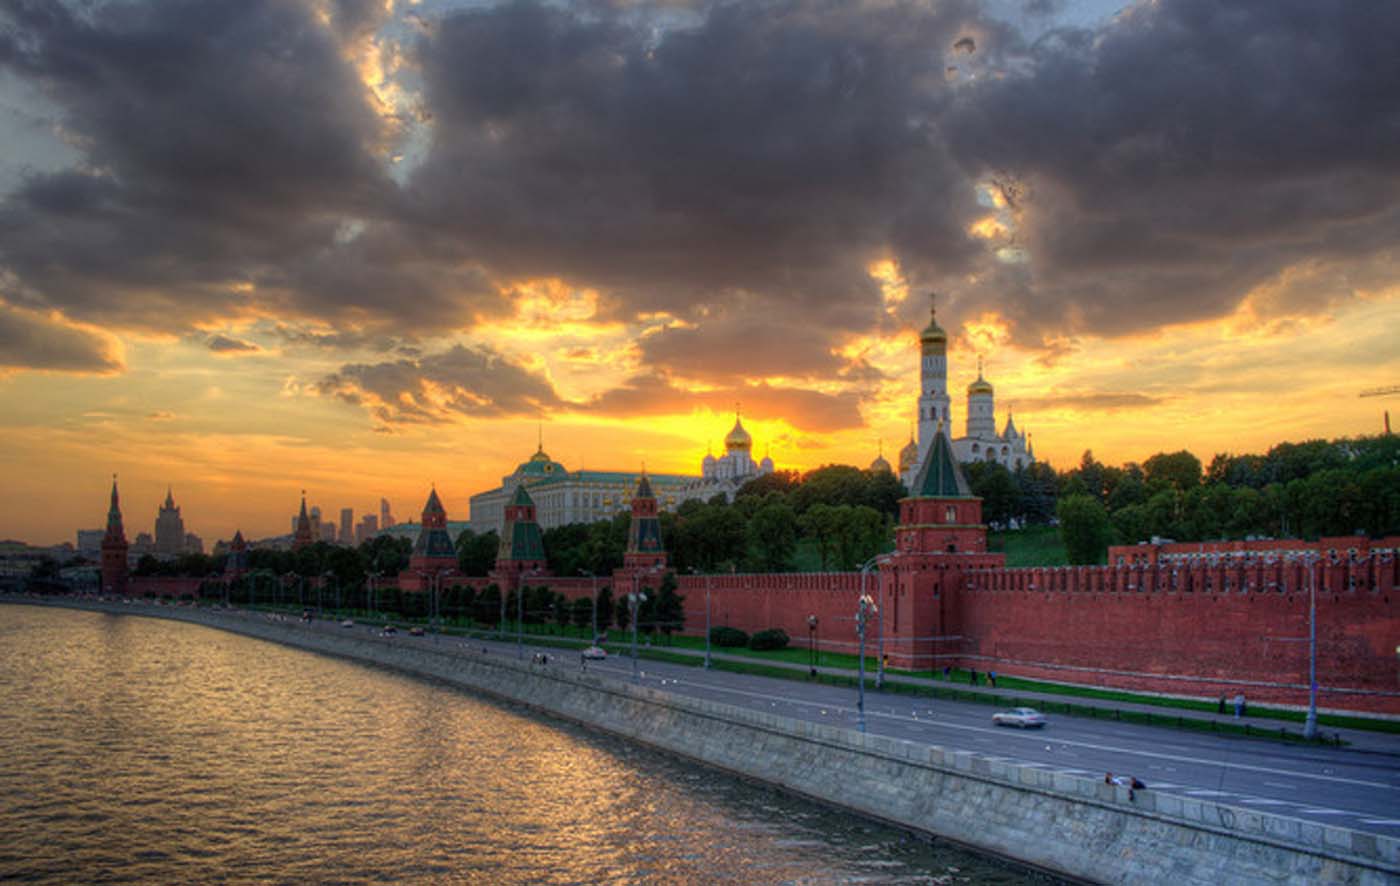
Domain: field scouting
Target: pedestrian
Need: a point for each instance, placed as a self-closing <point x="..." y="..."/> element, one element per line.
<point x="947" y="672"/>
<point x="1222" y="705"/>
<point x="1239" y="705"/>
<point x="992" y="678"/>
<point x="972" y="677"/>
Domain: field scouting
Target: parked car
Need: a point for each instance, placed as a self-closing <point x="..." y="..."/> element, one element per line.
<point x="1025" y="718"/>
<point x="595" y="653"/>
<point x="348" y="623"/>
<point x="415" y="631"/>
<point x="389" y="631"/>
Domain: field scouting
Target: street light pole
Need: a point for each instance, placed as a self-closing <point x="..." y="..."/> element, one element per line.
<point x="812" y="644"/>
<point x="862" y="614"/>
<point x="880" y="665"/>
<point x="707" y="622"/>
<point x="1310" y="724"/>
<point x="635" y="599"/>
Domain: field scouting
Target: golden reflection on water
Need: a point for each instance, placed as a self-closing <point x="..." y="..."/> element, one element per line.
<point x="138" y="750"/>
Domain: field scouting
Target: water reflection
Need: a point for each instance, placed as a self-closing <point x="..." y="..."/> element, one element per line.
<point x="150" y="751"/>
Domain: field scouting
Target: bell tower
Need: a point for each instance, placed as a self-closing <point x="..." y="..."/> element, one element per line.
<point x="114" y="548"/>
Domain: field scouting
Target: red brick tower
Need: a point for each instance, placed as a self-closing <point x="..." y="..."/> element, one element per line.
<point x="237" y="562"/>
<point x="522" y="544"/>
<point x="433" y="552"/>
<point x="644" y="548"/>
<point x="114" y="548"/>
<point x="940" y="534"/>
<point x="302" y="538"/>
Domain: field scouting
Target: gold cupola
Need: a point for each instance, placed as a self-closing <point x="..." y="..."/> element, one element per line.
<point x="738" y="438"/>
<point x="934" y="339"/>
<point x="981" y="386"/>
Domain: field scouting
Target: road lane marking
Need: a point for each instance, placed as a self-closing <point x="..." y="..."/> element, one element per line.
<point x="1265" y="801"/>
<point x="1103" y="748"/>
<point x="1386" y="821"/>
<point x="1209" y="793"/>
<point x="1325" y="812"/>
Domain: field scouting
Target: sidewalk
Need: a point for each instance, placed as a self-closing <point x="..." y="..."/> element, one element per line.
<point x="1357" y="739"/>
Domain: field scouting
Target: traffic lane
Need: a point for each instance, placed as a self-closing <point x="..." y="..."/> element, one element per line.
<point x="1319" y="784"/>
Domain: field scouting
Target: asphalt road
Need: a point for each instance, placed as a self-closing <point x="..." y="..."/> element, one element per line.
<point x="1344" y="787"/>
<point x="1334" y="786"/>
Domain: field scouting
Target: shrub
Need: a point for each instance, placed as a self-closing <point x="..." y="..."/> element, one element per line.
<point x="728" y="637"/>
<point x="773" y="638"/>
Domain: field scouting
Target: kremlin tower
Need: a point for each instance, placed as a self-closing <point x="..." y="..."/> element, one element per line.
<point x="114" y="548"/>
<point x="434" y="554"/>
<point x="644" y="548"/>
<point x="302" y="538"/>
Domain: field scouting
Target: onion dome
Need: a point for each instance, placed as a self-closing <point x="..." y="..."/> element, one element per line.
<point x="909" y="455"/>
<point x="981" y="386"/>
<point x="933" y="337"/>
<point x="738" y="438"/>
<point x="879" y="464"/>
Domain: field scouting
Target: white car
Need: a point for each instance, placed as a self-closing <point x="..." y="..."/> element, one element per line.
<point x="1023" y="717"/>
<point x="595" y="653"/>
<point x="348" y="623"/>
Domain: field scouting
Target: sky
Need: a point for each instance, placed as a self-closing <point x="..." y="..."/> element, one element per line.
<point x="364" y="247"/>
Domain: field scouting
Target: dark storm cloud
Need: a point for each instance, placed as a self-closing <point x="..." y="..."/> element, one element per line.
<point x="1190" y="151"/>
<point x="221" y="141"/>
<point x="461" y="381"/>
<point x="739" y="165"/>
<point x="222" y="344"/>
<point x="32" y="341"/>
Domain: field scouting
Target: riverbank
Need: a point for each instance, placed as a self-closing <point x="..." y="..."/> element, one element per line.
<point x="1074" y="826"/>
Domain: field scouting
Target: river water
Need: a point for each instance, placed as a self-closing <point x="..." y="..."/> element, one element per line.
<point x="144" y="751"/>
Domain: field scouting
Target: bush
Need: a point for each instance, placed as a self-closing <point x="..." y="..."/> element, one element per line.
<point x="773" y="638"/>
<point x="728" y="637"/>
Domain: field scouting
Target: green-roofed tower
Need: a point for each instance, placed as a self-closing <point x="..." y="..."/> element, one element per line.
<point x="522" y="544"/>
<point x="941" y="515"/>
<point x="644" y="548"/>
<point x="939" y="476"/>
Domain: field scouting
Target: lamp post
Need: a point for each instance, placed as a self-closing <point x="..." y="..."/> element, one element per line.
<point x="594" y="580"/>
<point x="862" y="616"/>
<point x="812" y="644"/>
<point x="635" y="601"/>
<point x="520" y="617"/>
<point x="880" y="620"/>
<point x="1310" y="724"/>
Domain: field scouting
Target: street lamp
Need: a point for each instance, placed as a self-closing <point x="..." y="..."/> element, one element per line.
<point x="880" y="618"/>
<point x="707" y="618"/>
<point x="520" y="617"/>
<point x="594" y="640"/>
<point x="863" y="610"/>
<point x="812" y="644"/>
<point x="1310" y="724"/>
<point x="635" y="601"/>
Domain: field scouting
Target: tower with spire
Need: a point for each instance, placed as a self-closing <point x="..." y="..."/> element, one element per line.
<point x="237" y="562"/>
<point x="114" y="548"/>
<point x="302" y="537"/>
<point x="433" y="551"/>
<point x="934" y="405"/>
<point x="522" y="544"/>
<point x="644" y="547"/>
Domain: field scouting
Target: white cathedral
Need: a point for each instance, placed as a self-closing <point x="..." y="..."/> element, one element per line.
<point x="1011" y="448"/>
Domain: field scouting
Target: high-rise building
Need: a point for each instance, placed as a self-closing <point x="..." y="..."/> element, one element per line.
<point x="386" y="519"/>
<point x="315" y="522"/>
<point x="368" y="528"/>
<point x="193" y="544"/>
<point x="347" y="526"/>
<point x="170" y="528"/>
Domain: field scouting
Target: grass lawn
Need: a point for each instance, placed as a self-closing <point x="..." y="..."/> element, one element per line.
<point x="1033" y="546"/>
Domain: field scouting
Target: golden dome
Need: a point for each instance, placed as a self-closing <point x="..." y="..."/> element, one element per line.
<point x="981" y="386"/>
<point x="738" y="438"/>
<point x="540" y="456"/>
<point x="879" y="464"/>
<point x="908" y="456"/>
<point x="933" y="334"/>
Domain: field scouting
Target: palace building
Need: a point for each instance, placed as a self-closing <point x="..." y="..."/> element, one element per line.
<point x="561" y="496"/>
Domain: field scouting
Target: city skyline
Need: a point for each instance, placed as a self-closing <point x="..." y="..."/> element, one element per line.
<point x="381" y="267"/>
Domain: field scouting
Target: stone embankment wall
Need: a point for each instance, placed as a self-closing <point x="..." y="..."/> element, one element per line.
<point x="1076" y="826"/>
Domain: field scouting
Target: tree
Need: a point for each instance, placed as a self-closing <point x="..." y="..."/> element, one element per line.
<point x="605" y="608"/>
<point x="772" y="536"/>
<point x="563" y="611"/>
<point x="476" y="553"/>
<point x="486" y="609"/>
<point x="821" y="523"/>
<point x="1084" y="528"/>
<point x="1173" y="470"/>
<point x="669" y="612"/>
<point x="995" y="485"/>
<point x="583" y="612"/>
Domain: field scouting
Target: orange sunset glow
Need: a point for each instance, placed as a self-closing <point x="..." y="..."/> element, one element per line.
<point x="445" y="230"/>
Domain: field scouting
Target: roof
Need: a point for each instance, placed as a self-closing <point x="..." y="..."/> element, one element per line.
<point x="434" y="505"/>
<point x="522" y="497"/>
<point x="644" y="488"/>
<point x="939" y="475"/>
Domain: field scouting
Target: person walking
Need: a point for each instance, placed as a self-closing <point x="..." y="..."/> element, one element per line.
<point x="992" y="678"/>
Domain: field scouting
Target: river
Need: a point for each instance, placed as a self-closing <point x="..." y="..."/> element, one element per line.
<point x="146" y="751"/>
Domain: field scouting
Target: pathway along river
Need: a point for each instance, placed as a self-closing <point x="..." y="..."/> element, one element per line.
<point x="139" y="750"/>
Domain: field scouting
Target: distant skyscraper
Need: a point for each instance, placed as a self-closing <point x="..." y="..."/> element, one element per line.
<point x="368" y="528"/>
<point x="347" y="526"/>
<point x="386" y="519"/>
<point x="193" y="544"/>
<point x="316" y="523"/>
<point x="170" y="528"/>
